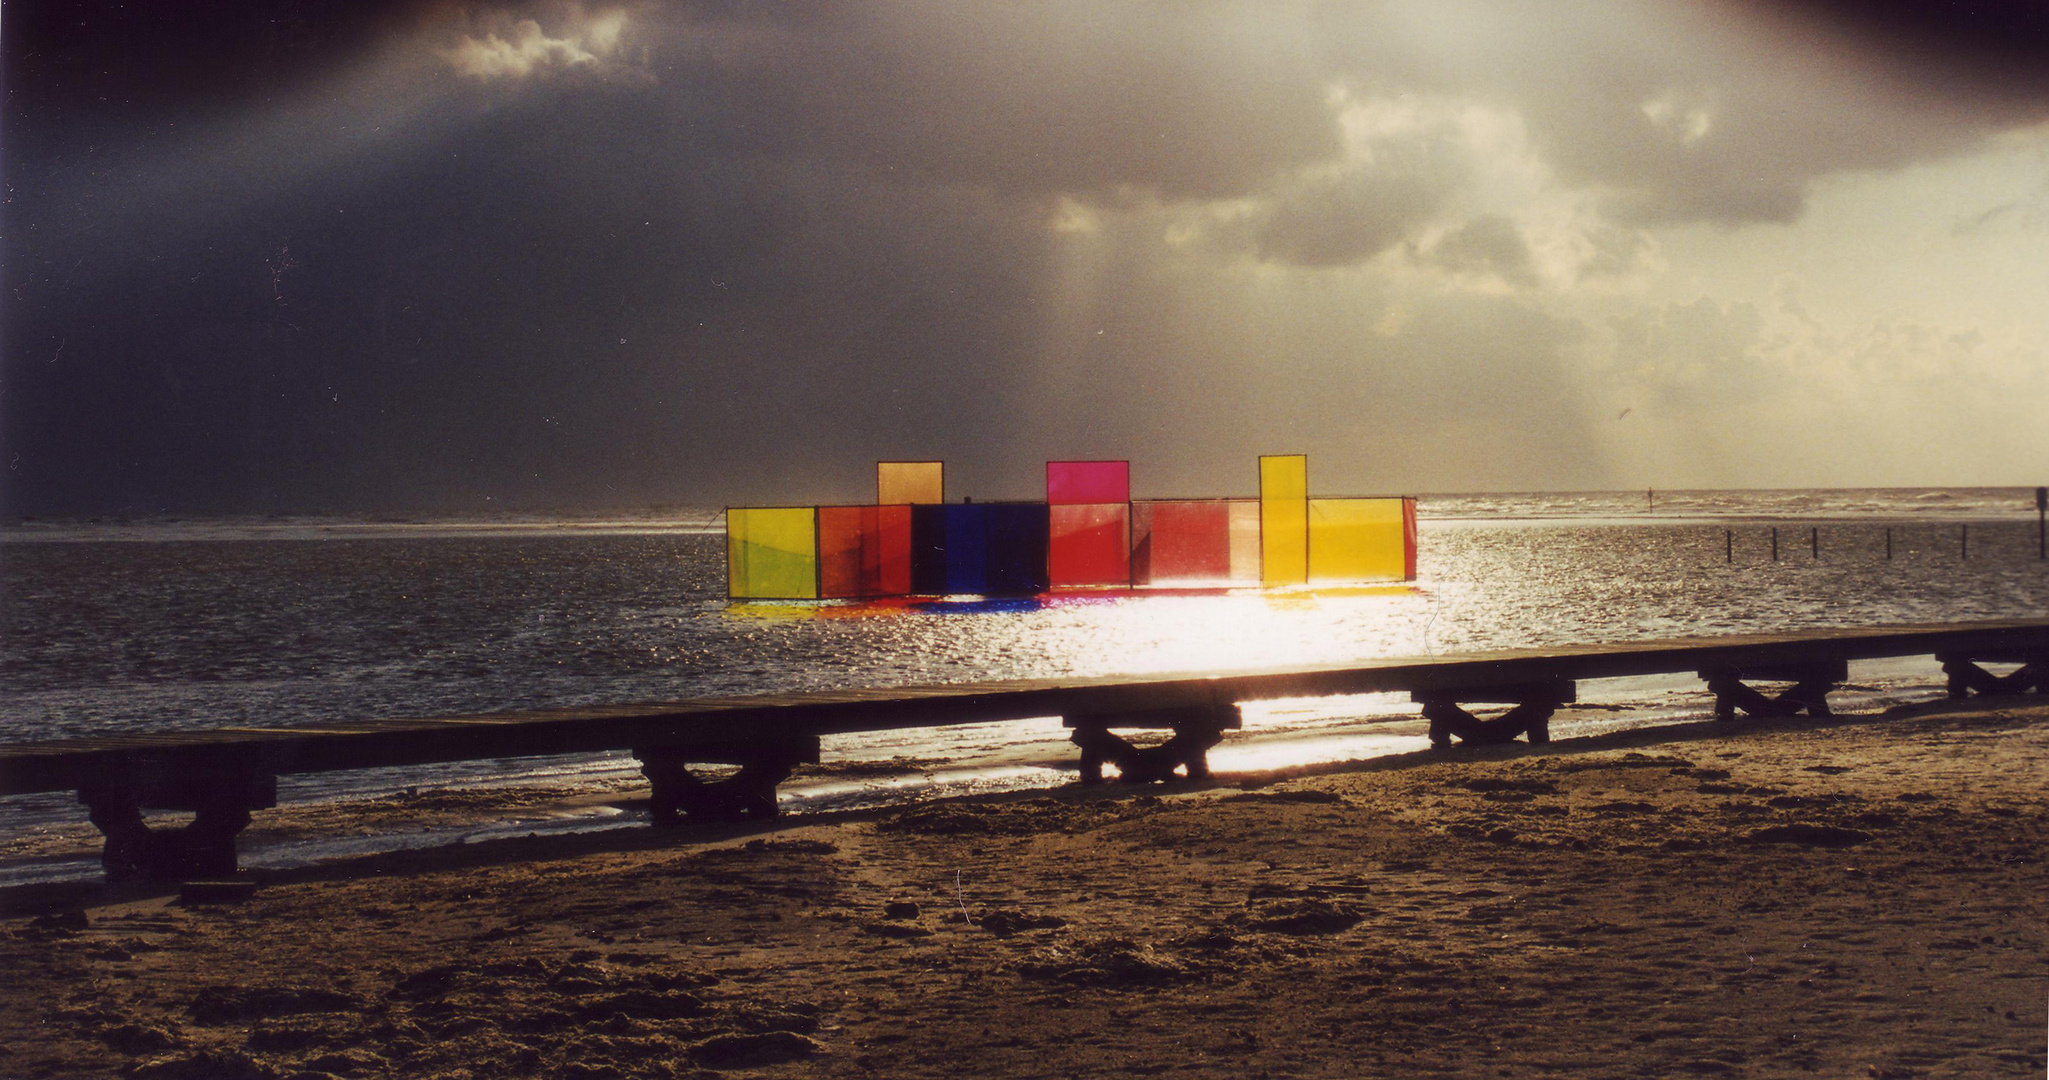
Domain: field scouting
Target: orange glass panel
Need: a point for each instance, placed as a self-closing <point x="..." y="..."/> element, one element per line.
<point x="839" y="550"/>
<point x="910" y="482"/>
<point x="864" y="551"/>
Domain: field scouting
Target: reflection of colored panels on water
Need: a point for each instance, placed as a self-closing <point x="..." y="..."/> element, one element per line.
<point x="1284" y="519"/>
<point x="1361" y="539"/>
<point x="1089" y="545"/>
<point x="1088" y="482"/>
<point x="864" y="551"/>
<point x="907" y="482"/>
<point x="1301" y="598"/>
<point x="772" y="552"/>
<point x="989" y="548"/>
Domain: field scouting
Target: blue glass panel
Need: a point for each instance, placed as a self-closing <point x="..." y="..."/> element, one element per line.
<point x="949" y="549"/>
<point x="1016" y="552"/>
<point x="967" y="549"/>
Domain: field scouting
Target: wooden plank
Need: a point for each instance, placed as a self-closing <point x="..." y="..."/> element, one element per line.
<point x="63" y="764"/>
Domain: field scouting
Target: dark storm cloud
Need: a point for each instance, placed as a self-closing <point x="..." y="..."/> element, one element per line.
<point x="336" y="255"/>
<point x="1489" y="245"/>
<point x="1355" y="213"/>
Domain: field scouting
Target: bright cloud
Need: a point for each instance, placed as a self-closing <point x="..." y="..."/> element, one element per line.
<point x="505" y="47"/>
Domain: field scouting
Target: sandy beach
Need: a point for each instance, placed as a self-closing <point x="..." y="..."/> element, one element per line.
<point x="1861" y="896"/>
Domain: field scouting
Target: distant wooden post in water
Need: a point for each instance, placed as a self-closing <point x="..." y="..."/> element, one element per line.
<point x="1964" y="542"/>
<point x="1729" y="545"/>
<point x="1775" y="543"/>
<point x="2042" y="523"/>
<point x="1888" y="543"/>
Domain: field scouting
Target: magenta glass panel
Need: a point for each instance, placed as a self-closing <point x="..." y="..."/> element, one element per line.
<point x="1097" y="482"/>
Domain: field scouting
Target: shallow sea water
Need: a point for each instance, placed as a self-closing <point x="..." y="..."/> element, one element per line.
<point x="156" y="625"/>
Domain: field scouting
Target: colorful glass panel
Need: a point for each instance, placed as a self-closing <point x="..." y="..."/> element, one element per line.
<point x="1358" y="539"/>
<point x="1409" y="539"/>
<point x="772" y="553"/>
<point x="1244" y="539"/>
<point x="1014" y="551"/>
<point x="910" y="482"/>
<point x="947" y="549"/>
<point x="840" y="536"/>
<point x="1092" y="482"/>
<point x="891" y="551"/>
<point x="1089" y="545"/>
<point x="990" y="549"/>
<point x="864" y="551"/>
<point x="1284" y="519"/>
<point x="1180" y="540"/>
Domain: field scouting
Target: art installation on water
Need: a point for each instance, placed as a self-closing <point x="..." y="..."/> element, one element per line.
<point x="1089" y="534"/>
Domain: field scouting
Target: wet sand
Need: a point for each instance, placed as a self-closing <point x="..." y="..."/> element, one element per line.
<point x="1862" y="896"/>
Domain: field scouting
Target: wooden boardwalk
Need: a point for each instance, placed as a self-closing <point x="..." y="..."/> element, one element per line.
<point x="224" y="774"/>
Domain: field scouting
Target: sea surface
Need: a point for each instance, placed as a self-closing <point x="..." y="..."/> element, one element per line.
<point x="154" y="624"/>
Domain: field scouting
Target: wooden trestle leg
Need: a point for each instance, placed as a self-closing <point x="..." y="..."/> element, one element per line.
<point x="1196" y="730"/>
<point x="677" y="794"/>
<point x="1530" y="714"/>
<point x="1967" y="678"/>
<point x="204" y="848"/>
<point x="1809" y="692"/>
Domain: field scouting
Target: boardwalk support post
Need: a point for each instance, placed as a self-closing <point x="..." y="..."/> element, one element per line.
<point x="676" y="794"/>
<point x="1196" y="728"/>
<point x="220" y="803"/>
<point x="1532" y="706"/>
<point x="1966" y="677"/>
<point x="1809" y="692"/>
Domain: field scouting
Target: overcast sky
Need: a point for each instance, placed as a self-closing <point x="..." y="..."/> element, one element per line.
<point x="334" y="256"/>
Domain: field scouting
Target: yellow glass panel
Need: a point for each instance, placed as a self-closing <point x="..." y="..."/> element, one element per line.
<point x="772" y="553"/>
<point x="1357" y="540"/>
<point x="901" y="482"/>
<point x="1284" y="519"/>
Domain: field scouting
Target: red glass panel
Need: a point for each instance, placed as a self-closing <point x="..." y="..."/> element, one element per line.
<point x="1071" y="482"/>
<point x="891" y="551"/>
<point x="1181" y="541"/>
<point x="1089" y="545"/>
<point x="1409" y="539"/>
